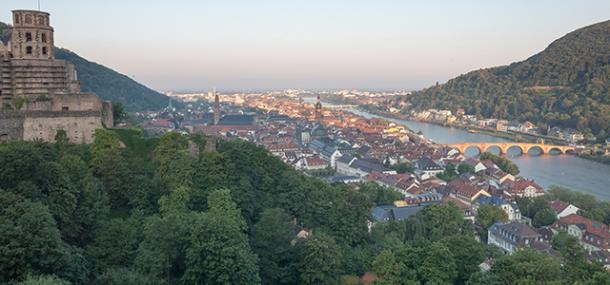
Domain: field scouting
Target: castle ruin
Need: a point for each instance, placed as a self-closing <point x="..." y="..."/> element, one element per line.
<point x="40" y="95"/>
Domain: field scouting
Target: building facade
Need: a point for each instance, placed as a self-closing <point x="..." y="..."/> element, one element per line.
<point x="40" y="95"/>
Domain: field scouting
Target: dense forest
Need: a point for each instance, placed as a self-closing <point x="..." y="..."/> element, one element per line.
<point x="175" y="210"/>
<point x="105" y="82"/>
<point x="565" y="85"/>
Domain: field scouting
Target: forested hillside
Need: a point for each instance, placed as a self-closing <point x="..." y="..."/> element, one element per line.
<point x="105" y="82"/>
<point x="565" y="85"/>
<point x="158" y="211"/>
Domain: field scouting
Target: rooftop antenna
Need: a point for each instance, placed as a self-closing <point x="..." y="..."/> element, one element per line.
<point x="38" y="5"/>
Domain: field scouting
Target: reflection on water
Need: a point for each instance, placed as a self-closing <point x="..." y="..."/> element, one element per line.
<point x="564" y="170"/>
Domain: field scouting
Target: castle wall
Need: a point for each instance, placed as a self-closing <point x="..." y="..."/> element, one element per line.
<point x="79" y="126"/>
<point x="66" y="102"/>
<point x="11" y="125"/>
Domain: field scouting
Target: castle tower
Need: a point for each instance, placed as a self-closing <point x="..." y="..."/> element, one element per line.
<point x="216" y="108"/>
<point x="318" y="110"/>
<point x="32" y="35"/>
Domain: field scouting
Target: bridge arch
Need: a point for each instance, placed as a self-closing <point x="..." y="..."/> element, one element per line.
<point x="536" y="147"/>
<point x="524" y="148"/>
<point x="494" y="146"/>
<point x="517" y="147"/>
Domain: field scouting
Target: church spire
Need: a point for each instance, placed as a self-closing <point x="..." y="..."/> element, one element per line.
<point x="318" y="110"/>
<point x="216" y="108"/>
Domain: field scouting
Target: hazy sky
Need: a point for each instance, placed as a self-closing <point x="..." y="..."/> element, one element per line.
<point x="259" y="44"/>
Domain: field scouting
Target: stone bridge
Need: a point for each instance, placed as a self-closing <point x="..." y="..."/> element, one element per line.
<point x="504" y="146"/>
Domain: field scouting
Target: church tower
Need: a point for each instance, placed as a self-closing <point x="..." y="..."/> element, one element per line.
<point x="318" y="110"/>
<point x="32" y="35"/>
<point x="216" y="108"/>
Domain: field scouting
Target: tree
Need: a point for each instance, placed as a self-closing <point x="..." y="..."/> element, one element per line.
<point x="392" y="270"/>
<point x="468" y="254"/>
<point x="440" y="221"/>
<point x="31" y="242"/>
<point x="544" y="217"/>
<point x="175" y="164"/>
<point x="118" y="112"/>
<point x="487" y="215"/>
<point x="449" y="174"/>
<point x="503" y="163"/>
<point x="110" y="167"/>
<point x="465" y="168"/>
<point x="126" y="276"/>
<point x="44" y="280"/>
<point x="527" y="267"/>
<point x="116" y="243"/>
<point x="380" y="195"/>
<point x="403" y="167"/>
<point x="321" y="258"/>
<point x="271" y="241"/>
<point x="438" y="265"/>
<point x="218" y="251"/>
<point x="162" y="252"/>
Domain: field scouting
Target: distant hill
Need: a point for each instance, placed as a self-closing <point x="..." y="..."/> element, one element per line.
<point x="565" y="85"/>
<point x="105" y="82"/>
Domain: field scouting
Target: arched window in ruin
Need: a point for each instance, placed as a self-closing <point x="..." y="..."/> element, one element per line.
<point x="28" y="50"/>
<point x="40" y="20"/>
<point x="17" y="19"/>
<point x="28" y="19"/>
<point x="28" y="37"/>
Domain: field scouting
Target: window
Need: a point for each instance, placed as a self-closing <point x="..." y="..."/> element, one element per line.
<point x="28" y="19"/>
<point x="65" y="108"/>
<point x="43" y="37"/>
<point x="17" y="19"/>
<point x="44" y="50"/>
<point x="28" y="50"/>
<point x="28" y="37"/>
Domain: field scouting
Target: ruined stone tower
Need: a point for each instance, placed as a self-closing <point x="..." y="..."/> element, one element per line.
<point x="32" y="36"/>
<point x="40" y="95"/>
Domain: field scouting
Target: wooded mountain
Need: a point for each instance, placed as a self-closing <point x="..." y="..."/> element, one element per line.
<point x="565" y="85"/>
<point x="105" y="82"/>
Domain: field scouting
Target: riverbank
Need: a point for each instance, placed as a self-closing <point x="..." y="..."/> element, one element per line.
<point x="510" y="136"/>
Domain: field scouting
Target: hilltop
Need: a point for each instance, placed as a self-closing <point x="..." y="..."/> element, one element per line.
<point x="105" y="82"/>
<point x="565" y="85"/>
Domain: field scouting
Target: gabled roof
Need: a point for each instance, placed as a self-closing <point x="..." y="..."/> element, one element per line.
<point x="236" y="120"/>
<point x="367" y="165"/>
<point x="425" y="163"/>
<point x="346" y="158"/>
<point x="518" y="229"/>
<point x="558" y="206"/>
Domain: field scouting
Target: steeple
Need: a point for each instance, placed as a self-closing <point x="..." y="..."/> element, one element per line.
<point x="318" y="110"/>
<point x="216" y="108"/>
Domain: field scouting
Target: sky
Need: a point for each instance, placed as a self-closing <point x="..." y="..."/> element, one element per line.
<point x="179" y="45"/>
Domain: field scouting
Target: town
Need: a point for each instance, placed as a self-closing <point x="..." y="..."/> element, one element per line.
<point x="342" y="147"/>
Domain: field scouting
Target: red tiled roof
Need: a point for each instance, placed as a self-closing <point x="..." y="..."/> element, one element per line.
<point x="315" y="161"/>
<point x="558" y="206"/>
<point x="596" y="228"/>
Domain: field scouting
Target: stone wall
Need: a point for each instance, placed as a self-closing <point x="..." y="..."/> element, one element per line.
<point x="66" y="102"/>
<point x="11" y="125"/>
<point x="79" y="126"/>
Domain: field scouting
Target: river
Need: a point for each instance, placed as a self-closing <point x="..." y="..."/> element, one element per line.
<point x="569" y="171"/>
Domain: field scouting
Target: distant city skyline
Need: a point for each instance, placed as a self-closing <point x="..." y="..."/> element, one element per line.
<point x="245" y="45"/>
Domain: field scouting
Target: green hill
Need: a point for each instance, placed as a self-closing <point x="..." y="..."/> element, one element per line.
<point x="565" y="85"/>
<point x="105" y="82"/>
